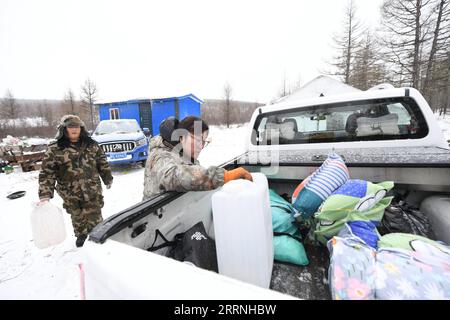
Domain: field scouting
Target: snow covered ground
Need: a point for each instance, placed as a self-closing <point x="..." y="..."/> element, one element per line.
<point x="225" y="144"/>
<point x="444" y="123"/>
<point x="25" y="122"/>
<point x="27" y="272"/>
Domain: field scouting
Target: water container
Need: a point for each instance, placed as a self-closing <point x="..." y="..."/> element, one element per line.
<point x="243" y="230"/>
<point x="47" y="225"/>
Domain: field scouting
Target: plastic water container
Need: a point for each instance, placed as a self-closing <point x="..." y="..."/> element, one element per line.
<point x="47" y="225"/>
<point x="243" y="230"/>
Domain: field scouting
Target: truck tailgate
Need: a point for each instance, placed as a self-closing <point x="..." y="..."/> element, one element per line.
<point x="118" y="271"/>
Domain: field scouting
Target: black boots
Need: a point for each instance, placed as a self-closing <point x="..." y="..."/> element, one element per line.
<point x="80" y="240"/>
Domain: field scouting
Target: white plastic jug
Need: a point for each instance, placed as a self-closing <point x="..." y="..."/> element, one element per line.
<point x="243" y="230"/>
<point x="47" y="225"/>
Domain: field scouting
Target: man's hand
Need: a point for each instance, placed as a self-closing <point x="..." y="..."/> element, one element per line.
<point x="239" y="173"/>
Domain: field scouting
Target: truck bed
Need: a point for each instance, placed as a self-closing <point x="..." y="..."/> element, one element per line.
<point x="174" y="212"/>
<point x="309" y="282"/>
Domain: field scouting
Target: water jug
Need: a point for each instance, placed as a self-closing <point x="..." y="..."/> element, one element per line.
<point x="243" y="230"/>
<point x="47" y="225"/>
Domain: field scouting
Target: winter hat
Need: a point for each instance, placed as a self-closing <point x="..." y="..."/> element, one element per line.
<point x="69" y="120"/>
<point x="166" y="129"/>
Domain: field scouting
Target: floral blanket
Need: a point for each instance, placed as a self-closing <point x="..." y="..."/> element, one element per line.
<point x="359" y="272"/>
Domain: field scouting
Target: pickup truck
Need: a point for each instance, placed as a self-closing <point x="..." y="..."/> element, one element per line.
<point x="122" y="140"/>
<point x="383" y="135"/>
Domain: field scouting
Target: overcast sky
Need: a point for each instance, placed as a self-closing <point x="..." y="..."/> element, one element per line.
<point x="162" y="48"/>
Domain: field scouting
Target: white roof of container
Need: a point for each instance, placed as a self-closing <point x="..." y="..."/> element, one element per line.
<point x="322" y="85"/>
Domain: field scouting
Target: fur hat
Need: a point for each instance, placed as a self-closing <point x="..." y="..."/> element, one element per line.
<point x="69" y="120"/>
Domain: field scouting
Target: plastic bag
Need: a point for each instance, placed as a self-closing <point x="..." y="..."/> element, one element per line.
<point x="288" y="248"/>
<point x="196" y="247"/>
<point x="47" y="225"/>
<point x="193" y="247"/>
<point x="403" y="218"/>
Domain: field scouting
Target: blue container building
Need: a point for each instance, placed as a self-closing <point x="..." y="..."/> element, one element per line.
<point x="150" y="112"/>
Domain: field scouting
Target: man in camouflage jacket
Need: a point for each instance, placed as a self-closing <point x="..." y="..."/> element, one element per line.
<point x="173" y="165"/>
<point x="168" y="171"/>
<point x="75" y="165"/>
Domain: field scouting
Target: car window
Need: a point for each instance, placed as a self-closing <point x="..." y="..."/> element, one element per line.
<point x="380" y="119"/>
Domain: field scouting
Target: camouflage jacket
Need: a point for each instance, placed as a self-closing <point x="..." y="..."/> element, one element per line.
<point x="167" y="170"/>
<point x="75" y="170"/>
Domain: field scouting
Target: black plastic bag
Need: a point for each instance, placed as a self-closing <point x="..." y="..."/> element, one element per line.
<point x="193" y="246"/>
<point x="197" y="247"/>
<point x="404" y="218"/>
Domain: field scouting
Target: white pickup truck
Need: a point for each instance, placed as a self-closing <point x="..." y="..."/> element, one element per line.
<point x="382" y="135"/>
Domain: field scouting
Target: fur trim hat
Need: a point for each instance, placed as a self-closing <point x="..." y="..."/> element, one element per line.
<point x="69" y="120"/>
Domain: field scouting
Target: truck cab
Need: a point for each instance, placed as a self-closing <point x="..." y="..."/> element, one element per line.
<point x="123" y="141"/>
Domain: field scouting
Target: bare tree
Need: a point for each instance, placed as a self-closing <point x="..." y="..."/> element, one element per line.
<point x="439" y="44"/>
<point x="48" y="114"/>
<point x="440" y="88"/>
<point x="227" y="94"/>
<point x="346" y="43"/>
<point x="407" y="30"/>
<point x="368" y="68"/>
<point x="288" y="87"/>
<point x="88" y="98"/>
<point x="70" y="103"/>
<point x="285" y="87"/>
<point x="41" y="113"/>
<point x="298" y="83"/>
<point x="213" y="111"/>
<point x="10" y="108"/>
<point x="446" y="96"/>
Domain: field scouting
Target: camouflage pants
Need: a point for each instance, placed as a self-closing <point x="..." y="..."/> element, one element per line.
<point x="85" y="215"/>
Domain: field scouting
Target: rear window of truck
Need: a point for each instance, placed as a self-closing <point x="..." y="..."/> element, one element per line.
<point x="369" y="120"/>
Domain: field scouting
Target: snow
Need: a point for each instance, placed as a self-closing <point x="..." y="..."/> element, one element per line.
<point x="226" y="143"/>
<point x="11" y="141"/>
<point x="27" y="272"/>
<point x="24" y="141"/>
<point x="25" y="122"/>
<point x="444" y="123"/>
<point x="321" y="85"/>
<point x="36" y="141"/>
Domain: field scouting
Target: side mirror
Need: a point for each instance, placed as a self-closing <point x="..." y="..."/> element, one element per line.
<point x="146" y="131"/>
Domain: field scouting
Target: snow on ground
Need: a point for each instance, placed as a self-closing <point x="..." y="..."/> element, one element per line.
<point x="444" y="123"/>
<point x="25" y="122"/>
<point x="36" y="141"/>
<point x="27" y="272"/>
<point x="11" y="141"/>
<point x="225" y="144"/>
<point x="30" y="273"/>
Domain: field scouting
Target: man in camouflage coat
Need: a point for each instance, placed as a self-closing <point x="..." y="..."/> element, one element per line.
<point x="172" y="163"/>
<point x="75" y="162"/>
